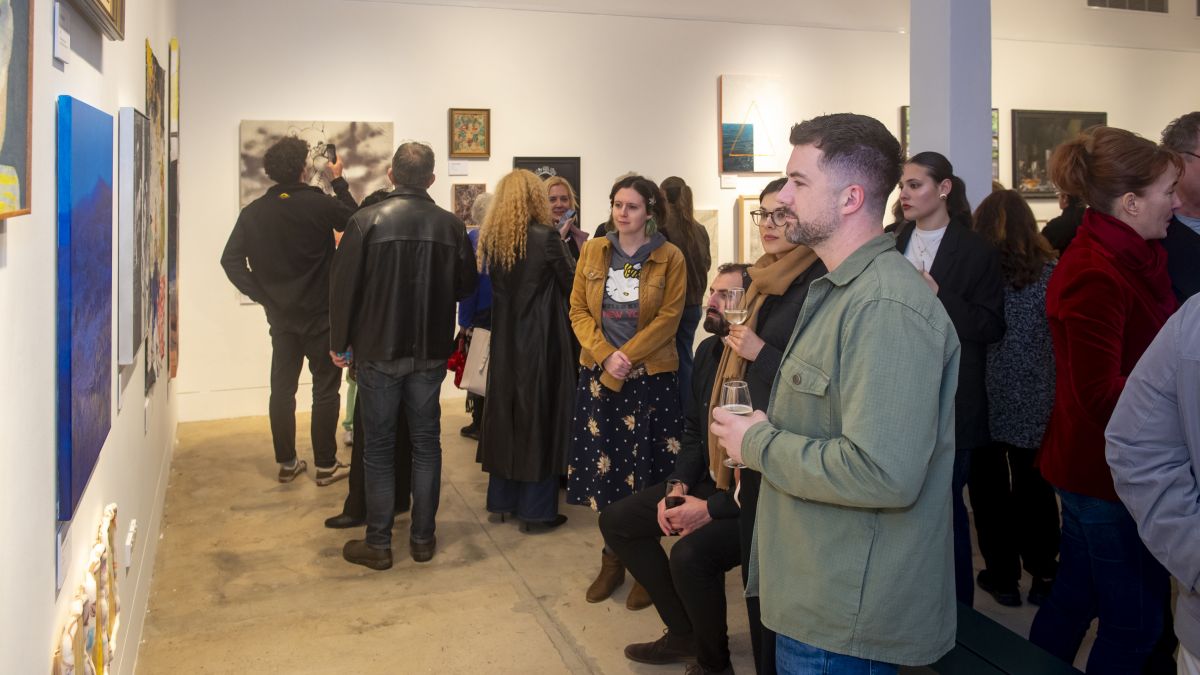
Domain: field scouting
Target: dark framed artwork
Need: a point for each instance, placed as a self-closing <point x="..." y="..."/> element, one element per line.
<point x="16" y="122"/>
<point x="545" y="167"/>
<point x="1035" y="134"/>
<point x="470" y="133"/>
<point x="463" y="196"/>
<point x="106" y="15"/>
<point x="84" y="302"/>
<point x="906" y="137"/>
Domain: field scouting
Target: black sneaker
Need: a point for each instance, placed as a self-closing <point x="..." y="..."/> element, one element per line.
<point x="288" y="474"/>
<point x="1039" y="591"/>
<point x="332" y="474"/>
<point x="357" y="552"/>
<point x="470" y="431"/>
<point x="1008" y="595"/>
<point x="667" y="649"/>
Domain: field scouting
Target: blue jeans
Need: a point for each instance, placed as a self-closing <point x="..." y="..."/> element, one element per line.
<point x="793" y="657"/>
<point x="684" y="337"/>
<point x="1105" y="572"/>
<point x="385" y="390"/>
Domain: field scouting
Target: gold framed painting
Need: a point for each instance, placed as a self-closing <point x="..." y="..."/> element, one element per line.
<point x="470" y="133"/>
<point x="106" y="15"/>
<point x="749" y="245"/>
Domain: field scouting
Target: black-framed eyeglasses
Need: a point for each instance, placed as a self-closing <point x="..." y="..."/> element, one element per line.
<point x="765" y="218"/>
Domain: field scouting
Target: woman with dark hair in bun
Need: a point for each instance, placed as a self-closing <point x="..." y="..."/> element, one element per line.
<point x="1106" y="301"/>
<point x="626" y="303"/>
<point x="964" y="272"/>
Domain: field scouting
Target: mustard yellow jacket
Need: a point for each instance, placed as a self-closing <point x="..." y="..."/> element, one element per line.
<point x="662" y="285"/>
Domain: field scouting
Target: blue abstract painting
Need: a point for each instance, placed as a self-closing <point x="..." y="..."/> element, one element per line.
<point x="84" y="299"/>
<point x="737" y="148"/>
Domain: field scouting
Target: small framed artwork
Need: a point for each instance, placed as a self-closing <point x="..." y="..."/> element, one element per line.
<point x="106" y="15"/>
<point x="1035" y="134"/>
<point x="16" y="82"/>
<point x="470" y="132"/>
<point x="463" y="195"/>
<point x="710" y="221"/>
<point x="906" y="137"/>
<point x="749" y="246"/>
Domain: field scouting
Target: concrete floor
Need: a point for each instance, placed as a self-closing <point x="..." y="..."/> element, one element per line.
<point x="247" y="580"/>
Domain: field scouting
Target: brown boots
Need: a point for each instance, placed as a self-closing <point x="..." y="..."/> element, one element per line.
<point x="612" y="575"/>
<point x="639" y="597"/>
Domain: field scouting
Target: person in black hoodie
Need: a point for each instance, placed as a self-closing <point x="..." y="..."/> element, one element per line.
<point x="964" y="272"/>
<point x="1061" y="229"/>
<point x="279" y="255"/>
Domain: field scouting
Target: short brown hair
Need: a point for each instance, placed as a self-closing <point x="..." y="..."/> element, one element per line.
<point x="858" y="148"/>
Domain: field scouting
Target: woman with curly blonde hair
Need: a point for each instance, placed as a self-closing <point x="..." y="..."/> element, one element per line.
<point x="526" y="426"/>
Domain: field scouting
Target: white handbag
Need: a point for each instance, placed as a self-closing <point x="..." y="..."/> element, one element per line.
<point x="475" y="372"/>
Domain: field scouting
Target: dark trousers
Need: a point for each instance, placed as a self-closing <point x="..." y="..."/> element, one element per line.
<point x="964" y="577"/>
<point x="533" y="502"/>
<point x="356" y="499"/>
<point x="1105" y="572"/>
<point x="685" y="335"/>
<point x="762" y="639"/>
<point x="288" y="351"/>
<point x="688" y="589"/>
<point x="1016" y="516"/>
<point x="386" y="390"/>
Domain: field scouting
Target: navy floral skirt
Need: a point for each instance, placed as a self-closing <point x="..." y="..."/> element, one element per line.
<point x="622" y="442"/>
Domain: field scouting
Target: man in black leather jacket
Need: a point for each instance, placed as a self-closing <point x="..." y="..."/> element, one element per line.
<point x="401" y="266"/>
<point x="279" y="255"/>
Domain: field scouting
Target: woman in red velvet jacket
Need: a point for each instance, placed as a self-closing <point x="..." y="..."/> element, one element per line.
<point x="1107" y="299"/>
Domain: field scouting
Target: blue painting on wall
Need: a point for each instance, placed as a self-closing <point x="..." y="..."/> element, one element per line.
<point x="737" y="148"/>
<point x="84" y="299"/>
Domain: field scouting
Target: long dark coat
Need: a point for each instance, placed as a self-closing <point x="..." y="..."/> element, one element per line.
<point x="971" y="289"/>
<point x="526" y="426"/>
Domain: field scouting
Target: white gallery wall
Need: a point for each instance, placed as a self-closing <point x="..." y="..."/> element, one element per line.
<point x="621" y="92"/>
<point x="133" y="464"/>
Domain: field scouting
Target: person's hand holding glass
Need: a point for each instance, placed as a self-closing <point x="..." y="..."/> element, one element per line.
<point x="735" y="399"/>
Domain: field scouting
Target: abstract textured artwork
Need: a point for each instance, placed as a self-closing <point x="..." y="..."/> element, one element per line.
<point x="84" y="295"/>
<point x="463" y="196"/>
<point x="156" y="260"/>
<point x="173" y="212"/>
<point x="133" y="215"/>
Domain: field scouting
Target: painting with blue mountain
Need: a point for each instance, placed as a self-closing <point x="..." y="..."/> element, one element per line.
<point x="84" y="295"/>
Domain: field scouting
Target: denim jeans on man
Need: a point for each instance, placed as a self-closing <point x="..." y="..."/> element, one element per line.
<point x="793" y="657"/>
<point x="387" y="389"/>
<point x="1105" y="571"/>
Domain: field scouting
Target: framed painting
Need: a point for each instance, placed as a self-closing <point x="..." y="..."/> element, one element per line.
<point x="906" y="136"/>
<point x="173" y="210"/>
<point x="83" y="333"/>
<point x="470" y="132"/>
<point x="748" y="243"/>
<point x="106" y="15"/>
<point x="365" y="148"/>
<point x="753" y="132"/>
<point x="709" y="221"/>
<point x="155" y="264"/>
<point x="463" y="195"/>
<point x="545" y="167"/>
<point x="133" y="215"/>
<point x="16" y="120"/>
<point x="1035" y="134"/>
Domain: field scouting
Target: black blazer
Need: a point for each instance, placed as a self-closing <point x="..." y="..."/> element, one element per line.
<point x="971" y="289"/>
<point x="1183" y="259"/>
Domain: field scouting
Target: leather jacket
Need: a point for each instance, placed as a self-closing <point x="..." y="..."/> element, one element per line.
<point x="401" y="266"/>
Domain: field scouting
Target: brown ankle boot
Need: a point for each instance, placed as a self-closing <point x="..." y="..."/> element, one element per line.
<point x="639" y="597"/>
<point x="612" y="575"/>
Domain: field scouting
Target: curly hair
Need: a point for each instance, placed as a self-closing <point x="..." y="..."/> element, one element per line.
<point x="520" y="199"/>
<point x="285" y="161"/>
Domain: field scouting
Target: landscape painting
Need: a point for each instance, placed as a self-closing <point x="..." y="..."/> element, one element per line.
<point x="83" y="335"/>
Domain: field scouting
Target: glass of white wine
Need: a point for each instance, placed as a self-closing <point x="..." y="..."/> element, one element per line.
<point x="735" y="310"/>
<point x="735" y="398"/>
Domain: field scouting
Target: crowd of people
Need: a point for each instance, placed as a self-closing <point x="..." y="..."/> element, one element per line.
<point x="855" y="380"/>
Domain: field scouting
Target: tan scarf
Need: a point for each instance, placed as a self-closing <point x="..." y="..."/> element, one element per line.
<point x="771" y="275"/>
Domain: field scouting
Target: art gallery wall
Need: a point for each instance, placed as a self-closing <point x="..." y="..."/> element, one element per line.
<point x="622" y="93"/>
<point x="132" y="468"/>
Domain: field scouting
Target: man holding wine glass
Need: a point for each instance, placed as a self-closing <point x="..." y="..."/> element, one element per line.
<point x="852" y="553"/>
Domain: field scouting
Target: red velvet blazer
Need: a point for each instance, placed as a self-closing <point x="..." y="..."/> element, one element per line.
<point x="1107" y="299"/>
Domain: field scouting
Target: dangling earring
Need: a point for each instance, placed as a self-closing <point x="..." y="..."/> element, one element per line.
<point x="651" y="226"/>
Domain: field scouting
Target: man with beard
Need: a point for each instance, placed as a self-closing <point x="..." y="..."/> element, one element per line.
<point x="688" y="589"/>
<point x="852" y="555"/>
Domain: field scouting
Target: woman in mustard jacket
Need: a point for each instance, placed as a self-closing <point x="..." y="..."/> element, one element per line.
<point x="626" y="303"/>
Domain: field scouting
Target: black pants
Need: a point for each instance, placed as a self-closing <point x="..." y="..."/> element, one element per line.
<point x="688" y="590"/>
<point x="762" y="639"/>
<point x="1016" y="515"/>
<point x="356" y="499"/>
<point x="288" y="351"/>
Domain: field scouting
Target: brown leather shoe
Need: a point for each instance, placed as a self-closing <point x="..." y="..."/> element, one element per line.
<point x="667" y="649"/>
<point x="639" y="597"/>
<point x="357" y="552"/>
<point x="612" y="575"/>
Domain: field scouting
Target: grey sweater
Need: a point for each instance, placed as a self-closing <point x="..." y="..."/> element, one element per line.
<point x="1153" y="449"/>
<point x="619" y="310"/>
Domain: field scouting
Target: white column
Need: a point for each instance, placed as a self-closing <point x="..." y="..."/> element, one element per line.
<point x="950" y="87"/>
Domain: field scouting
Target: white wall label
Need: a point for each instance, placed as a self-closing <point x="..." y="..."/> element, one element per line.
<point x="458" y="167"/>
<point x="62" y="554"/>
<point x="62" y="33"/>
<point x="728" y="181"/>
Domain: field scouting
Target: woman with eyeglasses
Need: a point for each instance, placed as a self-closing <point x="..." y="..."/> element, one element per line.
<point x="964" y="272"/>
<point x="779" y="282"/>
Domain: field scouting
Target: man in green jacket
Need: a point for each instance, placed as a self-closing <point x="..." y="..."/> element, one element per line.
<point x="852" y="554"/>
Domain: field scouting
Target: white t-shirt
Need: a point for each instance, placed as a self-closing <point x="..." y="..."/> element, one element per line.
<point x="923" y="247"/>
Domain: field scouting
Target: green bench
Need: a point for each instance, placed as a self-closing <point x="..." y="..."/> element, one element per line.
<point x="984" y="647"/>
